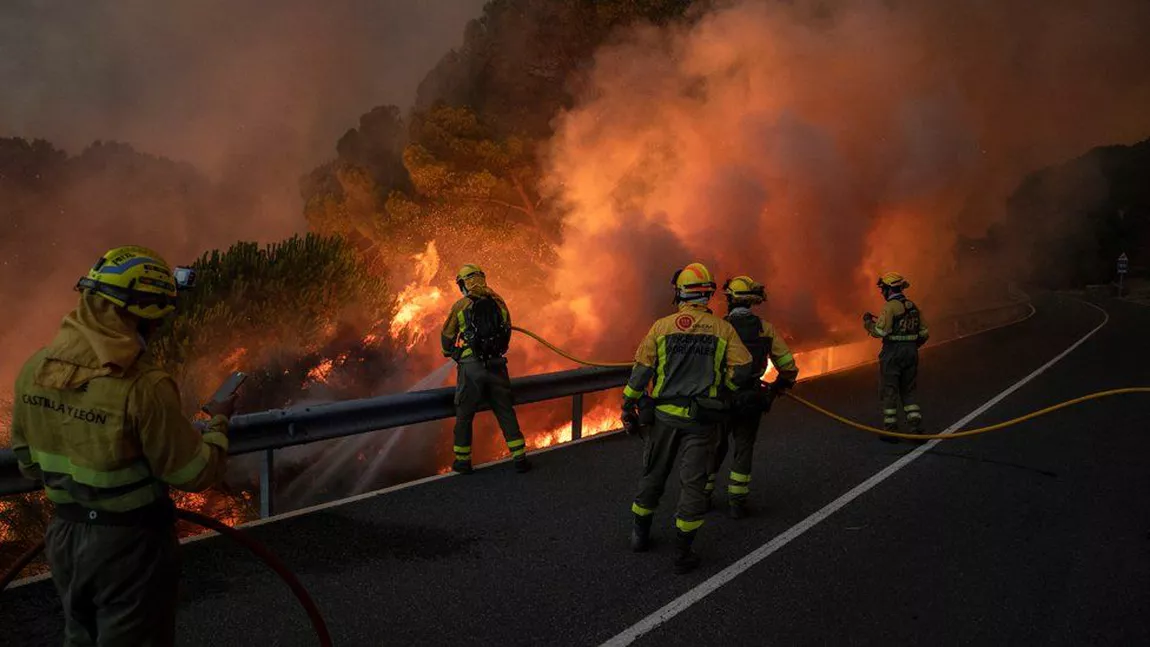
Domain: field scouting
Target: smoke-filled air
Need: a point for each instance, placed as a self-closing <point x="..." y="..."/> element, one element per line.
<point x="579" y="151"/>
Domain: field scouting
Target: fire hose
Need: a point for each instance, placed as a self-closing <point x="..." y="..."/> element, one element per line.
<point x="256" y="548"/>
<point x="875" y="430"/>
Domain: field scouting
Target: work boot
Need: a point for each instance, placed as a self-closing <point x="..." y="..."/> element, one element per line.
<point x="917" y="428"/>
<point x="522" y="465"/>
<point x="641" y="533"/>
<point x="685" y="559"/>
<point x="461" y="467"/>
<point x="737" y="508"/>
<point x="890" y="439"/>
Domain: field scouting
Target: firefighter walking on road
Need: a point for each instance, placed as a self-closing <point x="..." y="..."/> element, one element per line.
<point x="902" y="328"/>
<point x="696" y="361"/>
<point x="754" y="399"/>
<point x="104" y="430"/>
<point x="476" y="335"/>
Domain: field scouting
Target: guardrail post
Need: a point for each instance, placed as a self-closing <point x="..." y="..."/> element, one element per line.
<point x="577" y="416"/>
<point x="267" y="483"/>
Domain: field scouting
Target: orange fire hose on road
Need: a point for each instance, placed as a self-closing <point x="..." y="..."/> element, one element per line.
<point x="875" y="430"/>
<point x="256" y="548"/>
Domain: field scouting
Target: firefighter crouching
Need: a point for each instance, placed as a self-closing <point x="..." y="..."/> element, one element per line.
<point x="476" y="335"/>
<point x="902" y="329"/>
<point x="763" y="343"/>
<point x="104" y="430"/>
<point x="695" y="360"/>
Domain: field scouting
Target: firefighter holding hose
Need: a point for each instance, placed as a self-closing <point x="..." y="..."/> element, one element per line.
<point x="763" y="342"/>
<point x="103" y="428"/>
<point x="476" y="335"/>
<point x="696" y="361"/>
<point x="902" y="329"/>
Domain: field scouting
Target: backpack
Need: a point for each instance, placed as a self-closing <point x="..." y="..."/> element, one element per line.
<point x="486" y="332"/>
<point x="750" y="330"/>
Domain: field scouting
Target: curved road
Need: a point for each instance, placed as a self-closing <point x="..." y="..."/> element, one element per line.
<point x="1035" y="535"/>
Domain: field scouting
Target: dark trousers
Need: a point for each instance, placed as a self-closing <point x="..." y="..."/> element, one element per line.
<point x="477" y="383"/>
<point x="740" y="430"/>
<point x="898" y="366"/>
<point x="693" y="447"/>
<point x="118" y="584"/>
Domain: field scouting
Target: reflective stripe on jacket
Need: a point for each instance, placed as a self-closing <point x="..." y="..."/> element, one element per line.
<point x="104" y="428"/>
<point x="690" y="354"/>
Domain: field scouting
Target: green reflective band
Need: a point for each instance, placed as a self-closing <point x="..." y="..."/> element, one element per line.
<point x="631" y="394"/>
<point x="680" y="412"/>
<point x="709" y="487"/>
<point x="879" y="331"/>
<point x="740" y="478"/>
<point x="641" y="511"/>
<point x="720" y="355"/>
<point x="738" y="489"/>
<point x="890" y="421"/>
<point x="914" y="415"/>
<point x="660" y="366"/>
<point x="712" y="477"/>
<point x="516" y="444"/>
<point x="56" y="495"/>
<point x="217" y="438"/>
<point x="460" y="449"/>
<point x="137" y="498"/>
<point x="890" y="412"/>
<point x="784" y="361"/>
<point x="688" y="526"/>
<point x="192" y="469"/>
<point x="88" y="476"/>
<point x="912" y="407"/>
<point x="516" y="453"/>
<point x="902" y="337"/>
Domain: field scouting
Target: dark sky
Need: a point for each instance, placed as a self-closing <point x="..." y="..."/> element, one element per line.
<point x="207" y="80"/>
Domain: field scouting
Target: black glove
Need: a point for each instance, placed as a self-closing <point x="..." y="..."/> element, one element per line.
<point x="630" y="417"/>
<point x="868" y="317"/>
<point x="747" y="399"/>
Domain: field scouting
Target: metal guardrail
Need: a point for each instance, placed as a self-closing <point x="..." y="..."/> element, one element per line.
<point x="267" y="431"/>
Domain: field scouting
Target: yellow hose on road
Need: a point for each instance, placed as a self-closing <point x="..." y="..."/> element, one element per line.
<point x="875" y="430"/>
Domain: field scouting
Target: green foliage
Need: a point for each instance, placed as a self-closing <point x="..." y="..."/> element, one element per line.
<point x="258" y="306"/>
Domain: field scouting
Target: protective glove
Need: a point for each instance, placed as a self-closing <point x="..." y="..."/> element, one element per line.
<point x="630" y="417"/>
<point x="868" y="317"/>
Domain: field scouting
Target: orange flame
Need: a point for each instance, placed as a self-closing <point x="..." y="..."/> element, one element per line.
<point x="602" y="419"/>
<point x="420" y="304"/>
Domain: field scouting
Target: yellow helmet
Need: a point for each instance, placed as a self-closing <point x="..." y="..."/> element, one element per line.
<point x="135" y="279"/>
<point x="469" y="276"/>
<point x="744" y="289"/>
<point x="693" y="283"/>
<point x="894" y="281"/>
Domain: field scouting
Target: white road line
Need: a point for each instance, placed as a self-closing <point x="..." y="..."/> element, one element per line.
<point x="711" y="584"/>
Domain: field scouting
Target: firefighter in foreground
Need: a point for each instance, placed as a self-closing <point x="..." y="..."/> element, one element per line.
<point x="476" y="335"/>
<point x="104" y="430"/>
<point x="696" y="361"/>
<point x="902" y="329"/>
<point x="763" y="343"/>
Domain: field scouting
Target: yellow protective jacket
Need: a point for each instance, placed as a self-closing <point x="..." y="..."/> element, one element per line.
<point x="452" y="335"/>
<point x="691" y="354"/>
<point x="103" y="427"/>
<point x="900" y="320"/>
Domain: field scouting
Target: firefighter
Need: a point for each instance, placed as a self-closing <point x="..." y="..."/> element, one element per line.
<point x="476" y="335"/>
<point x="902" y="329"/>
<point x="763" y="342"/>
<point x="696" y="361"/>
<point x="104" y="430"/>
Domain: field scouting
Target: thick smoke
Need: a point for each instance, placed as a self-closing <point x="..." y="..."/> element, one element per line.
<point x="251" y="94"/>
<point x="814" y="144"/>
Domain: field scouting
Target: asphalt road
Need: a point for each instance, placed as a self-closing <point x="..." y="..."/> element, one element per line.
<point x="1035" y="535"/>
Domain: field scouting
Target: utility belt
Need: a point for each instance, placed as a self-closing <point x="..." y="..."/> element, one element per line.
<point x="900" y="338"/>
<point x="702" y="409"/>
<point x="158" y="514"/>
